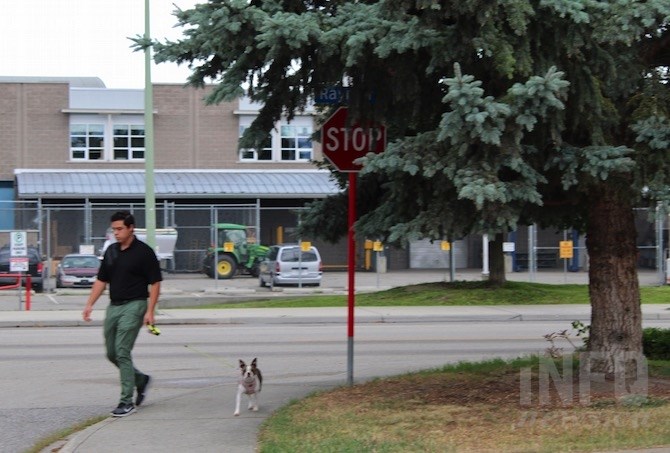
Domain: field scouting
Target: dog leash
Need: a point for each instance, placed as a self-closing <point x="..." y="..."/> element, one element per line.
<point x="210" y="356"/>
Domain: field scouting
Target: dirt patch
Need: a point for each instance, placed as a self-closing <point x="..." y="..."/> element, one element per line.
<point x="498" y="411"/>
<point x="503" y="390"/>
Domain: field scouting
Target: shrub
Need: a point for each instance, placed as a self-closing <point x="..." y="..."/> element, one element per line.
<point x="656" y="343"/>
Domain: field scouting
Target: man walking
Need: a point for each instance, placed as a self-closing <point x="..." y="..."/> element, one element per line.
<point x="132" y="270"/>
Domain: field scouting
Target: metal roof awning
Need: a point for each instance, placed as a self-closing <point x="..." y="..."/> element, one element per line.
<point x="114" y="184"/>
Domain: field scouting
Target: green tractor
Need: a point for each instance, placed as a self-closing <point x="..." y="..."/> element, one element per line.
<point x="236" y="252"/>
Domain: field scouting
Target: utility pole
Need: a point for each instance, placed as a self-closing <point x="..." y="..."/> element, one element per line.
<point x="149" y="191"/>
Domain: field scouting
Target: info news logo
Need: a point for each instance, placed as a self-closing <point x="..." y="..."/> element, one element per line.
<point x="629" y="380"/>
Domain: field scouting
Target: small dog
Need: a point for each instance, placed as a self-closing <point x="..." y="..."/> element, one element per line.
<point x="250" y="383"/>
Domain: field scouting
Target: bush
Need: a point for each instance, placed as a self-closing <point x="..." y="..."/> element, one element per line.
<point x="656" y="343"/>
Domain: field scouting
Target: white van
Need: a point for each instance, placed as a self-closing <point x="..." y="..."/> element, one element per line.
<point x="289" y="265"/>
<point x="166" y="239"/>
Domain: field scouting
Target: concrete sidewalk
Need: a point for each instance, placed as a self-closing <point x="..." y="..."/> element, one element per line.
<point x="330" y="315"/>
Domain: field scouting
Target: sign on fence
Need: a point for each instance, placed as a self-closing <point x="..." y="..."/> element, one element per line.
<point x="565" y="249"/>
<point x="19" y="243"/>
<point x="18" y="259"/>
<point x="18" y="264"/>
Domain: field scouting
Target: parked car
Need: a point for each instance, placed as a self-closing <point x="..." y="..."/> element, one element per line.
<point x="77" y="271"/>
<point x="36" y="269"/>
<point x="289" y="265"/>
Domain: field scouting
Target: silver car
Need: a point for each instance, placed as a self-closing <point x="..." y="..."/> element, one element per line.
<point x="289" y="265"/>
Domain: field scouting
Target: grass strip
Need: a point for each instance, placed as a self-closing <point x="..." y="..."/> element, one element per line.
<point x="59" y="436"/>
<point x="452" y="294"/>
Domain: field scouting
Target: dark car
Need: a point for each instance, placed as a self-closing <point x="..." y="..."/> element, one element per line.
<point x="77" y="271"/>
<point x="36" y="269"/>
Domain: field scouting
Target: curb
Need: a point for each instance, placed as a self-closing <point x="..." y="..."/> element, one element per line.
<point x="366" y="318"/>
<point x="73" y="442"/>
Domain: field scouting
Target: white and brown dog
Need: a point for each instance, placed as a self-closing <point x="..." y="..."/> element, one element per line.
<point x="250" y="384"/>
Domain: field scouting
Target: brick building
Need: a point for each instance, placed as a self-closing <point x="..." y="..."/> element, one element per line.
<point x="71" y="144"/>
<point x="72" y="150"/>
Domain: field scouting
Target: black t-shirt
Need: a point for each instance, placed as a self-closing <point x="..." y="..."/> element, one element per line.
<point x="129" y="272"/>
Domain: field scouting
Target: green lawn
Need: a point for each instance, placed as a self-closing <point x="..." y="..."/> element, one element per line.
<point x="452" y="294"/>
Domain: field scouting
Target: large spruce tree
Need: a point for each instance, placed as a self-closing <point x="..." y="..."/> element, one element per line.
<point x="499" y="112"/>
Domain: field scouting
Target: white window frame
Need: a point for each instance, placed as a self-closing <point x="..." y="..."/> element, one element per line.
<point x="87" y="136"/>
<point x="251" y="154"/>
<point x="294" y="138"/>
<point x="109" y="123"/>
<point x="303" y="124"/>
<point x="129" y="148"/>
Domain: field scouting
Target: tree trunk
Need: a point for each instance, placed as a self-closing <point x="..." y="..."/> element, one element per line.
<point x="616" y="315"/>
<point x="496" y="261"/>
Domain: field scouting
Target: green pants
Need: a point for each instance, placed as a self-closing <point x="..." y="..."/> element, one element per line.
<point x="122" y="324"/>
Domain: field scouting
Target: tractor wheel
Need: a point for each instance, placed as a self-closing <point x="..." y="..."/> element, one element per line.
<point x="206" y="268"/>
<point x="226" y="267"/>
<point x="255" y="270"/>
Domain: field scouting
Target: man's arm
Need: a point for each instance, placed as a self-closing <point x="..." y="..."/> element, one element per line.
<point x="97" y="289"/>
<point x="154" y="292"/>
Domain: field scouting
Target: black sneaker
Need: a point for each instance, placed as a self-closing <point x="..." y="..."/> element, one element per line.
<point x="142" y="390"/>
<point x="123" y="409"/>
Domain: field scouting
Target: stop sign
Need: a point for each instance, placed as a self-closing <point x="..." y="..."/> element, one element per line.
<point x="343" y="144"/>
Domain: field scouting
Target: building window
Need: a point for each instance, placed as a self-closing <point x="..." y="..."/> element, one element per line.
<point x="296" y="142"/>
<point x="128" y="142"/>
<point x="108" y="138"/>
<point x="287" y="142"/>
<point x="87" y="141"/>
<point x="264" y="153"/>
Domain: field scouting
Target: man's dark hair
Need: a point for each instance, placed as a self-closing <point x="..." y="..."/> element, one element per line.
<point x="126" y="216"/>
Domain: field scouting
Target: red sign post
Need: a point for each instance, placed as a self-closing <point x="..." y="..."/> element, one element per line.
<point x="343" y="143"/>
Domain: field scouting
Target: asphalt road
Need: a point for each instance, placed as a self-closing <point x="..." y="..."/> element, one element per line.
<point x="53" y="378"/>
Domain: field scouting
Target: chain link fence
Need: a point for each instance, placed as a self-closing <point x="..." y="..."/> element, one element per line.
<point x="59" y="229"/>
